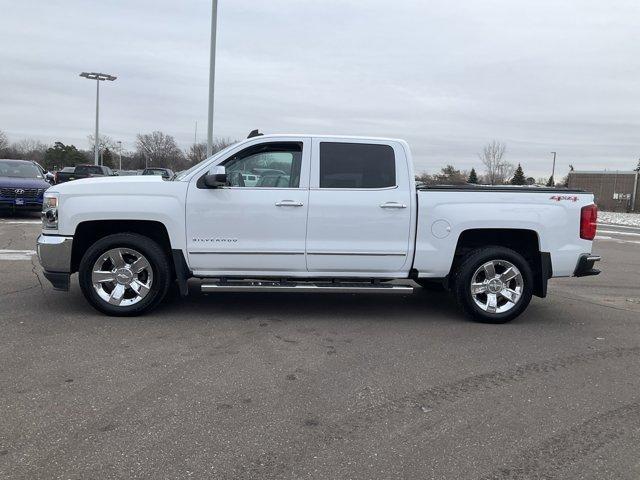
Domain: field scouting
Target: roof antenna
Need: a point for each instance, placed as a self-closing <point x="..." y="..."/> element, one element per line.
<point x="255" y="133"/>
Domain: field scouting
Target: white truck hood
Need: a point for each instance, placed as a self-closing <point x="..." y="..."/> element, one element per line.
<point x="106" y="184"/>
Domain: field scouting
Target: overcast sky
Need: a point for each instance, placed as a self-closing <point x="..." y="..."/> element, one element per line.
<point x="448" y="76"/>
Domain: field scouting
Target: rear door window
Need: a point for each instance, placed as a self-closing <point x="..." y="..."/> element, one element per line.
<point x="356" y="165"/>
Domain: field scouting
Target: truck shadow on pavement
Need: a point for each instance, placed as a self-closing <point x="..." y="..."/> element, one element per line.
<point x="422" y="305"/>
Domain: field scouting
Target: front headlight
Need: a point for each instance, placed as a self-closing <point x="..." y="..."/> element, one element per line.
<point x="50" y="212"/>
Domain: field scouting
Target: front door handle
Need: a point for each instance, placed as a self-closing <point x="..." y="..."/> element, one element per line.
<point x="393" y="205"/>
<point x="288" y="203"/>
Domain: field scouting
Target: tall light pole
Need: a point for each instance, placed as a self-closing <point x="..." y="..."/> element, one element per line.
<point x="120" y="153"/>
<point x="98" y="77"/>
<point x="212" y="74"/>
<point x="553" y="169"/>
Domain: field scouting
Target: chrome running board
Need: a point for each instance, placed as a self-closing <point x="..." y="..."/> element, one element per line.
<point x="303" y="287"/>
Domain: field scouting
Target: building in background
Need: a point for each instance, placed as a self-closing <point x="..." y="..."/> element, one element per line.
<point x="615" y="191"/>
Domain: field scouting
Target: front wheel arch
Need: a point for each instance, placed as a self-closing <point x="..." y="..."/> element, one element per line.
<point x="159" y="267"/>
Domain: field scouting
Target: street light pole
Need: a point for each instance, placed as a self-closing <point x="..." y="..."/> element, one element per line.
<point x="553" y="169"/>
<point x="212" y="74"/>
<point x="120" y="153"/>
<point x="98" y="77"/>
<point x="96" y="143"/>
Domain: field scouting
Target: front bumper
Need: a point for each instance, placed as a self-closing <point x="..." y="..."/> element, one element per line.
<point x="584" y="268"/>
<point x="54" y="253"/>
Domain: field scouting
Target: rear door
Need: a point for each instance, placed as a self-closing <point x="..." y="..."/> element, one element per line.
<point x="360" y="205"/>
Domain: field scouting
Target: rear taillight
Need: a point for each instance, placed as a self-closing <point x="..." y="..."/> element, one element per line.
<point x="588" y="222"/>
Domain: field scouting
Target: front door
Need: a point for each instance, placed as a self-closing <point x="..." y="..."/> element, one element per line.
<point x="258" y="223"/>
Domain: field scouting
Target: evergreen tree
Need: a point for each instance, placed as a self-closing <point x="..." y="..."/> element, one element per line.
<point x="550" y="182"/>
<point x="518" y="177"/>
<point x="473" y="176"/>
<point x="61" y="155"/>
<point x="107" y="158"/>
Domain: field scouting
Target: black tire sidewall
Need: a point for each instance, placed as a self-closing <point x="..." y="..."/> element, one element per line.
<point x="147" y="247"/>
<point x="465" y="273"/>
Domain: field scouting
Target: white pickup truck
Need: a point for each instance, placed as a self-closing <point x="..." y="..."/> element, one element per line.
<point x="321" y="214"/>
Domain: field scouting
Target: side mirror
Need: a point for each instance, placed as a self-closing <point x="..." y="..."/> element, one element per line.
<point x="216" y="178"/>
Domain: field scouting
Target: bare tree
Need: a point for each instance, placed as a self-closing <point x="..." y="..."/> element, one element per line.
<point x="498" y="170"/>
<point x="29" y="149"/>
<point x="4" y="141"/>
<point x="160" y="150"/>
<point x="105" y="142"/>
<point x="425" y="178"/>
<point x="198" y="151"/>
<point x="449" y="175"/>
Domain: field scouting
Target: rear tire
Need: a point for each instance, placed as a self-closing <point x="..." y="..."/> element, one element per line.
<point x="493" y="284"/>
<point x="124" y="274"/>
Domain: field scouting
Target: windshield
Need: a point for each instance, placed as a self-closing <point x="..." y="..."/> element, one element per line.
<point x="183" y="174"/>
<point x="19" y="170"/>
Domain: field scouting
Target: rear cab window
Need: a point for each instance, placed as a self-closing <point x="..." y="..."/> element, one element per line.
<point x="356" y="165"/>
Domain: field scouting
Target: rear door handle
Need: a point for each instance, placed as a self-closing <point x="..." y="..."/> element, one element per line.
<point x="288" y="203"/>
<point x="393" y="205"/>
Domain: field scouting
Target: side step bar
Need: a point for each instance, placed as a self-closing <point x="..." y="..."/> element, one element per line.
<point x="303" y="287"/>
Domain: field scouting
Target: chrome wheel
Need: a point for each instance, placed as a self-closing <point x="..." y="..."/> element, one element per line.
<point x="496" y="286"/>
<point x="122" y="276"/>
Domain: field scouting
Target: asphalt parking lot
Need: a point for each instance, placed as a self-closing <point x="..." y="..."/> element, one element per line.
<point x="311" y="386"/>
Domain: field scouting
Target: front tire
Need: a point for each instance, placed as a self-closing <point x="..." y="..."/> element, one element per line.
<point x="493" y="284"/>
<point x="124" y="274"/>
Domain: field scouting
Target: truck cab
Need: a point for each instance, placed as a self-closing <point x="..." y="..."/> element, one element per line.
<point x="296" y="224"/>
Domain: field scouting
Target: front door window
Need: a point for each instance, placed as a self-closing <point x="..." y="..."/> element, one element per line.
<point x="268" y="165"/>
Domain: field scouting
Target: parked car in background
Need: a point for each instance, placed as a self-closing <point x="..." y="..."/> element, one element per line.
<point x="127" y="173"/>
<point x="82" y="171"/>
<point x="165" y="173"/>
<point x="22" y="185"/>
<point x="250" y="179"/>
<point x="65" y="170"/>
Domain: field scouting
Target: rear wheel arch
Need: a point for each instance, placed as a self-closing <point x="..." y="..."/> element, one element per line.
<point x="525" y="242"/>
<point x="473" y="283"/>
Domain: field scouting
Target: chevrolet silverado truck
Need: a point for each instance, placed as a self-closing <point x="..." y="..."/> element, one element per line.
<point x="332" y="214"/>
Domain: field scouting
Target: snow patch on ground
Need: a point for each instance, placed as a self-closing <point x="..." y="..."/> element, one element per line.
<point x="632" y="219"/>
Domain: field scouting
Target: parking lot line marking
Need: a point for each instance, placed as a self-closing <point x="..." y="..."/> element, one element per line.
<point x="20" y="222"/>
<point x="619" y="240"/>
<point x="616" y="225"/>
<point x="16" y="254"/>
<point x="619" y="233"/>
